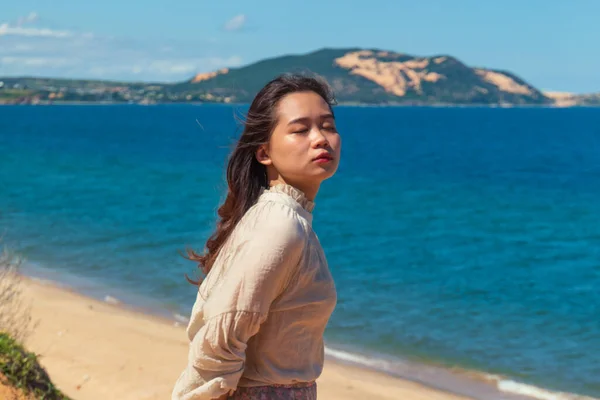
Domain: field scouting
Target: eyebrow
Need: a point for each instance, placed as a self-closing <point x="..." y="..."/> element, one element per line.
<point x="307" y="119"/>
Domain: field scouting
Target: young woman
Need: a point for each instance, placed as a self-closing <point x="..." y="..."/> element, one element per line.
<point x="256" y="329"/>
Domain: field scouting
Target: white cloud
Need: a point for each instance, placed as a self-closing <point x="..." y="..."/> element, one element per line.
<point x="218" y="62"/>
<point x="22" y="48"/>
<point x="32" y="17"/>
<point x="35" y="61"/>
<point x="236" y="23"/>
<point x="30" y="49"/>
<point x="177" y="67"/>
<point x="18" y="29"/>
<point x="172" y="66"/>
<point x="6" y="29"/>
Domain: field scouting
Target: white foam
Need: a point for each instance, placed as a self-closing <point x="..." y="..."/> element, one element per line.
<point x="111" y="300"/>
<point x="180" y="318"/>
<point x="397" y="366"/>
<point x="42" y="281"/>
<point x="534" y="392"/>
<point x="431" y="374"/>
<point x="357" y="359"/>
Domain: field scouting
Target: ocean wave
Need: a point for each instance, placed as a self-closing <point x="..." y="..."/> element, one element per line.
<point x="509" y="386"/>
<point x="475" y="384"/>
<point x="112" y="300"/>
<point x="358" y="359"/>
<point x="182" y="319"/>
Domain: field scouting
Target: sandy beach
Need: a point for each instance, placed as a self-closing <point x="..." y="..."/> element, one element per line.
<point x="97" y="351"/>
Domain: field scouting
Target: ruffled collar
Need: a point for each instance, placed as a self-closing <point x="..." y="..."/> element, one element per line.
<point x="294" y="193"/>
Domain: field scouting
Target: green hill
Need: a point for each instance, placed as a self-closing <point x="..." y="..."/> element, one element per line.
<point x="364" y="76"/>
<point x="375" y="76"/>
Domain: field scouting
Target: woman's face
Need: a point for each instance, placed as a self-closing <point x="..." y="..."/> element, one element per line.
<point x="304" y="148"/>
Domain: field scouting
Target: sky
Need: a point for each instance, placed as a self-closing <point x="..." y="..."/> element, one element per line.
<point x="552" y="44"/>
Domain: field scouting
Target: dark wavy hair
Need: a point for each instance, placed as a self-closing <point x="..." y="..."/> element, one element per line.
<point x="245" y="175"/>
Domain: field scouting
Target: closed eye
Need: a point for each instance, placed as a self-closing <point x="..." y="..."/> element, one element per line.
<point x="299" y="128"/>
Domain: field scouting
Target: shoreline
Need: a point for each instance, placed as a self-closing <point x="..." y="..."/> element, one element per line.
<point x="97" y="350"/>
<point x="413" y="378"/>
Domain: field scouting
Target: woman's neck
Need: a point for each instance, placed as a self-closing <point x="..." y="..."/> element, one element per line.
<point x="310" y="191"/>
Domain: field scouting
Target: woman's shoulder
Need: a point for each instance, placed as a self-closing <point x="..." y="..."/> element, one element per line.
<point x="266" y="231"/>
<point x="274" y="219"/>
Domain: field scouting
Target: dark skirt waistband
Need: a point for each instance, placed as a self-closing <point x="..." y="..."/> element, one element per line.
<point x="290" y="391"/>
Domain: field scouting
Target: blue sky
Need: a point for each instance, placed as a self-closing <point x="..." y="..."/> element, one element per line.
<point x="553" y="44"/>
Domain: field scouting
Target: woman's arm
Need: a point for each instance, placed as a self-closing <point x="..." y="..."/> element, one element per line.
<point x="262" y="262"/>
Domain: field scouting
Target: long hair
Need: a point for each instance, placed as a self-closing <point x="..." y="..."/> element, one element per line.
<point x="246" y="177"/>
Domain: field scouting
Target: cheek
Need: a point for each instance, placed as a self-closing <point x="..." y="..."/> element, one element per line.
<point x="336" y="143"/>
<point x="285" y="148"/>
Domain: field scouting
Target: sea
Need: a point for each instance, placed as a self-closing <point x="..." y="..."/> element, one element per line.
<point x="464" y="241"/>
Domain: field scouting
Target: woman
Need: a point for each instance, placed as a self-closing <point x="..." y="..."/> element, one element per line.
<point x="256" y="329"/>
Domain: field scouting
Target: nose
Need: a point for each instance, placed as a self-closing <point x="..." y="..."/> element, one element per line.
<point x="319" y="139"/>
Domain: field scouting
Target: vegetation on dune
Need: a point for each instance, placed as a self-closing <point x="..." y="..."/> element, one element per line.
<point x="19" y="368"/>
<point x="22" y="370"/>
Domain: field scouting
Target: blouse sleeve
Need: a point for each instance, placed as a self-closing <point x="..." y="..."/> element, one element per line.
<point x="263" y="259"/>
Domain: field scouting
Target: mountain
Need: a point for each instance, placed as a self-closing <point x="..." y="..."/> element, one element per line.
<point x="562" y="99"/>
<point x="375" y="76"/>
<point x="359" y="76"/>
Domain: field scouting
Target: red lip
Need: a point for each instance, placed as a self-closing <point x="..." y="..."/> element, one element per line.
<point x="323" y="156"/>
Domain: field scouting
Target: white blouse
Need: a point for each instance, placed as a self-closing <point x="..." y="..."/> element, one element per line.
<point x="260" y="314"/>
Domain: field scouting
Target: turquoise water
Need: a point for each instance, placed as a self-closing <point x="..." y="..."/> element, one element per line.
<point x="457" y="236"/>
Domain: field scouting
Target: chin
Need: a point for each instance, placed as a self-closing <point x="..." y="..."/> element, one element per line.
<point x="325" y="174"/>
<point x="315" y="175"/>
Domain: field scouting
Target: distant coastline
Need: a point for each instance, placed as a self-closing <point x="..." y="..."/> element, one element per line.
<point x="358" y="77"/>
<point x="342" y="104"/>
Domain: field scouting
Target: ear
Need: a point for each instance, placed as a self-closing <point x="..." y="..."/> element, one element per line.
<point x="262" y="155"/>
